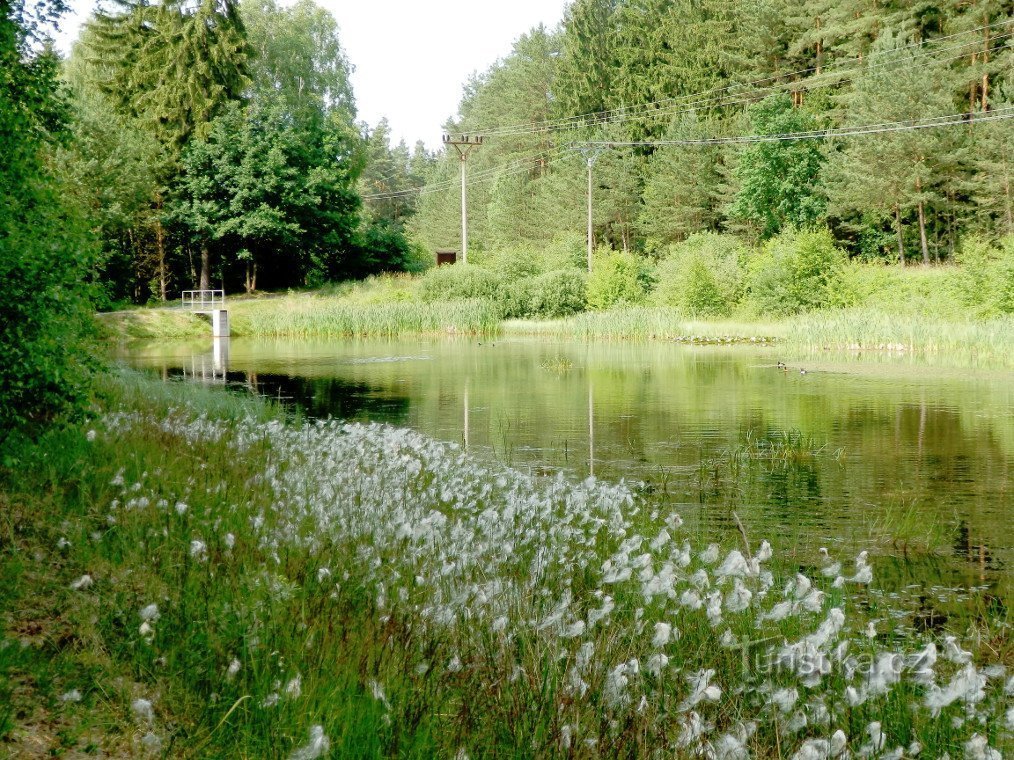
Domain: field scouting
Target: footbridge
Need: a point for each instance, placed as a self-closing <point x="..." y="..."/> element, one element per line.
<point x="212" y="303"/>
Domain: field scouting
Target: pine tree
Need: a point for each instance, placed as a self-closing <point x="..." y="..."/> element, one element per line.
<point x="681" y="185"/>
<point x="586" y="58"/>
<point x="894" y="173"/>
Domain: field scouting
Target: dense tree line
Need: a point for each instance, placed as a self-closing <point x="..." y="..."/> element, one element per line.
<point x="656" y="71"/>
<point x="45" y="249"/>
<point x="214" y="144"/>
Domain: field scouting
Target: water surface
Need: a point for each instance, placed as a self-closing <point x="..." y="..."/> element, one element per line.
<point x="892" y="456"/>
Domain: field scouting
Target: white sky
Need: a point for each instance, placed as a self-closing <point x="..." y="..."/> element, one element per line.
<point x="411" y="57"/>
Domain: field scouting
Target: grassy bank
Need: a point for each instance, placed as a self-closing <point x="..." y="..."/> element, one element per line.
<point x="309" y="316"/>
<point x="983" y="342"/>
<point x="197" y="576"/>
<point x="910" y="311"/>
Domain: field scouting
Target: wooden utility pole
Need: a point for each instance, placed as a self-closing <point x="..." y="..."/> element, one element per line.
<point x="464" y="144"/>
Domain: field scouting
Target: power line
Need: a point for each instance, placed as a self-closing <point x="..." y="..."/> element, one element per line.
<point x="662" y="106"/>
<point x="999" y="114"/>
<point x="563" y="152"/>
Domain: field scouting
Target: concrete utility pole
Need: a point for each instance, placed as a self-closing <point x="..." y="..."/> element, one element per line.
<point x="591" y="154"/>
<point x="464" y="144"/>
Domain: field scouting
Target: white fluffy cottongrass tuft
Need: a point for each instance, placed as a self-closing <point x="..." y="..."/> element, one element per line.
<point x="71" y="696"/>
<point x="198" y="550"/>
<point x="150" y="614"/>
<point x="663" y="632"/>
<point x="142" y="709"/>
<point x="233" y="669"/>
<point x="977" y="748"/>
<point x="82" y="583"/>
<point x="318" y="746"/>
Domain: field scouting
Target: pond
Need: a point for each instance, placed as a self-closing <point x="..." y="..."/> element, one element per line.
<point x="910" y="462"/>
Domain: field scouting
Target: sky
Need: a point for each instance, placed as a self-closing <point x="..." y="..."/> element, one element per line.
<point x="411" y="58"/>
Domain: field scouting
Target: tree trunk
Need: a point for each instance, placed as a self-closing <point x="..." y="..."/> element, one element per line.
<point x="135" y="256"/>
<point x="1007" y="194"/>
<point x="901" y="241"/>
<point x="985" y="73"/>
<point x="163" y="275"/>
<point x="922" y="223"/>
<point x="205" y="267"/>
<point x="972" y="91"/>
<point x="922" y="235"/>
<point x="251" y="276"/>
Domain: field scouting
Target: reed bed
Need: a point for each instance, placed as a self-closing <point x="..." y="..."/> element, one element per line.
<point x="311" y="317"/>
<point x="985" y="342"/>
<point x="647" y="323"/>
<point x="271" y="588"/>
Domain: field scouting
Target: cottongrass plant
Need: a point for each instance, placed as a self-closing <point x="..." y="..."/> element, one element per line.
<point x="365" y="590"/>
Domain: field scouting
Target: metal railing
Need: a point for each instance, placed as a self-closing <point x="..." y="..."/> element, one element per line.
<point x="203" y="300"/>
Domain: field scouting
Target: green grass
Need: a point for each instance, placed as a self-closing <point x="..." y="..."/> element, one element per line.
<point x="649" y="323"/>
<point x="407" y="599"/>
<point x="310" y="316"/>
<point x="985" y="342"/>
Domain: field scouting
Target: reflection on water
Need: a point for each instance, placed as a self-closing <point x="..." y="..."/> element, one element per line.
<point x="899" y="460"/>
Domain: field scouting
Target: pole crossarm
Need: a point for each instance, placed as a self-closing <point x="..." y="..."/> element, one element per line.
<point x="464" y="145"/>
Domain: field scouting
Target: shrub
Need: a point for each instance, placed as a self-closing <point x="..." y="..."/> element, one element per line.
<point x="557" y="294"/>
<point x="796" y="271"/>
<point x="459" y="282"/>
<point x="568" y="250"/>
<point x="617" y="278"/>
<point x="513" y="263"/>
<point x="987" y="275"/>
<point x="702" y="275"/>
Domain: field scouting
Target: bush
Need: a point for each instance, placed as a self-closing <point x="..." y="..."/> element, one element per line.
<point x="796" y="271"/>
<point x="568" y="250"/>
<point x="461" y="282"/>
<point x="702" y="275"/>
<point x="617" y="278"/>
<point x="987" y="275"/>
<point x="512" y="263"/>
<point x="46" y="255"/>
<point x="557" y="294"/>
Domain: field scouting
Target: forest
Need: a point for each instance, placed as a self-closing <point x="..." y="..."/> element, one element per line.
<point x="216" y="143"/>
<point x="685" y="81"/>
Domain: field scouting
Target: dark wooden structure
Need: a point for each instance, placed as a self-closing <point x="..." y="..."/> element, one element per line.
<point x="446" y="256"/>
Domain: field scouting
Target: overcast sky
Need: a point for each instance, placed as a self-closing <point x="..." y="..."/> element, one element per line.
<point x="411" y="57"/>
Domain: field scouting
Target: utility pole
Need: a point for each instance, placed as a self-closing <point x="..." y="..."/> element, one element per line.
<point x="591" y="154"/>
<point x="464" y="144"/>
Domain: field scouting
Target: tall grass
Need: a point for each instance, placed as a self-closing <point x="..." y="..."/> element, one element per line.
<point x="646" y="323"/>
<point x="984" y="342"/>
<point x="311" y="317"/>
<point x="257" y="587"/>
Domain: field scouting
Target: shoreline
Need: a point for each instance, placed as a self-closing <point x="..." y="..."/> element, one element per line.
<point x="230" y="579"/>
<point x="981" y="344"/>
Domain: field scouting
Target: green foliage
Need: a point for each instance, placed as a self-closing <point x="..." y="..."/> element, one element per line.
<point x="780" y="180"/>
<point x="559" y="293"/>
<point x="268" y="189"/>
<point x="172" y="65"/>
<point x="567" y="250"/>
<point x="458" y="282"/>
<point x="702" y="276"/>
<point x="617" y="278"/>
<point x="796" y="271"/>
<point x="45" y="251"/>
<point x="987" y="275"/>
